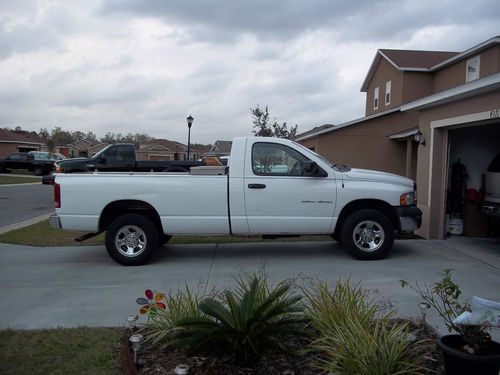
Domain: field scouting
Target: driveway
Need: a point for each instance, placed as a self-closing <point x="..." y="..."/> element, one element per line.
<point x="20" y="203"/>
<point x="74" y="286"/>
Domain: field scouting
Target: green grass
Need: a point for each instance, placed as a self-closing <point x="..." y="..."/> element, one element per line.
<point x="41" y="235"/>
<point x="9" y="180"/>
<point x="61" y="351"/>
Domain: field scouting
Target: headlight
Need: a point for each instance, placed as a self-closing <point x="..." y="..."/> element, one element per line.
<point x="407" y="199"/>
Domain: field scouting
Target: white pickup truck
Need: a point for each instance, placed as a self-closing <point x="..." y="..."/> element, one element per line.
<point x="273" y="187"/>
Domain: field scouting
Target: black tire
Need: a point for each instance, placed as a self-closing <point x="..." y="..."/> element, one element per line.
<point x="164" y="239"/>
<point x="367" y="234"/>
<point x="142" y="237"/>
<point x="37" y="170"/>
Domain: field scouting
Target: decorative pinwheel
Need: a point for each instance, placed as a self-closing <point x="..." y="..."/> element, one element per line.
<point x="151" y="302"/>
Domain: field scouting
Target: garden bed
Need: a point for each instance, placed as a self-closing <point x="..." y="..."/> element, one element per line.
<point x="153" y="360"/>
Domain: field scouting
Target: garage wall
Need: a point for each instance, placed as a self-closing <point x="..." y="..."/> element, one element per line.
<point x="475" y="147"/>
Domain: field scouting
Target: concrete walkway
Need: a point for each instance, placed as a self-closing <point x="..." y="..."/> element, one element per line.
<point x="82" y="286"/>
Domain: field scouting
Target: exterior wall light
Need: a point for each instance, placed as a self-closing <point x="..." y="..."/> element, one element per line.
<point x="419" y="137"/>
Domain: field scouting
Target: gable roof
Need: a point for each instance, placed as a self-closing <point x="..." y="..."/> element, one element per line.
<point x="406" y="60"/>
<point x="170" y="145"/>
<point x="20" y="136"/>
<point x="422" y="61"/>
<point x="222" y="146"/>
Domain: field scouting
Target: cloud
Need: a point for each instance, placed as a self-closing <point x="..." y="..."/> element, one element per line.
<point x="136" y="66"/>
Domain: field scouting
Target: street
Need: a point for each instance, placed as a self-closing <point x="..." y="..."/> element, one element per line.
<point x="82" y="286"/>
<point x="22" y="202"/>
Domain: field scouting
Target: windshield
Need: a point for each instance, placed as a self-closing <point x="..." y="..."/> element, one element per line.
<point x="310" y="152"/>
<point x="101" y="152"/>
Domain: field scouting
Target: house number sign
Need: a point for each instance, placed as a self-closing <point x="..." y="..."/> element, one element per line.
<point x="495" y="113"/>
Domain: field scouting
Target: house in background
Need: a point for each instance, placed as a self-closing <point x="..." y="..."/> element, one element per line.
<point x="19" y="140"/>
<point x="424" y="111"/>
<point x="221" y="148"/>
<point x="164" y="149"/>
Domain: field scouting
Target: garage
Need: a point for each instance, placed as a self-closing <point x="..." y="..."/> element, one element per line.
<point x="471" y="150"/>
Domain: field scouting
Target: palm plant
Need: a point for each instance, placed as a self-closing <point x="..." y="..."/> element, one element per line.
<point x="251" y="322"/>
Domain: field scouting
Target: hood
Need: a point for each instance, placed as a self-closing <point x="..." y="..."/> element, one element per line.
<point x="369" y="175"/>
<point x="72" y="161"/>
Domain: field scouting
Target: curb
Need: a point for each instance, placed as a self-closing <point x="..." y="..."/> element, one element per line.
<point x="24" y="223"/>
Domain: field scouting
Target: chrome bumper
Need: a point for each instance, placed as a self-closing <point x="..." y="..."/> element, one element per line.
<point x="54" y="221"/>
<point x="410" y="218"/>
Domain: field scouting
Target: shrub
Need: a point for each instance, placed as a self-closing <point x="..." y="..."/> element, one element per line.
<point x="249" y="323"/>
<point x="162" y="324"/>
<point x="444" y="297"/>
<point x="356" y="335"/>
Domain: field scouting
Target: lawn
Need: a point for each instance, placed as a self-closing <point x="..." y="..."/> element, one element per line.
<point x="9" y="180"/>
<point x="61" y="351"/>
<point x="42" y="235"/>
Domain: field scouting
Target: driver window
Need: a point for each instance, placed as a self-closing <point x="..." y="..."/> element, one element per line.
<point x="270" y="159"/>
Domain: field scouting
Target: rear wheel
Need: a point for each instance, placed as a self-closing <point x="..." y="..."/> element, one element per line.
<point x="131" y="239"/>
<point x="367" y="234"/>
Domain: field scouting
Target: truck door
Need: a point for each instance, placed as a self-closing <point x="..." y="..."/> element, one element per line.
<point x="280" y="199"/>
<point x="117" y="158"/>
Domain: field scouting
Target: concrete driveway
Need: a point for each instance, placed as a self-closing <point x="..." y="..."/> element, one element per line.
<point x="75" y="286"/>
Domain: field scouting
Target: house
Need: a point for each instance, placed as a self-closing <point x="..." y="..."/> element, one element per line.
<point x="18" y="140"/>
<point x="424" y="112"/>
<point x="221" y="148"/>
<point x="164" y="149"/>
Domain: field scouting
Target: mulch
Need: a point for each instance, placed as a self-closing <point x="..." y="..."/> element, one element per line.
<point x="154" y="361"/>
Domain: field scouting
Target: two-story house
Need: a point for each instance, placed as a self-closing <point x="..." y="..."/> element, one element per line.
<point x="425" y="111"/>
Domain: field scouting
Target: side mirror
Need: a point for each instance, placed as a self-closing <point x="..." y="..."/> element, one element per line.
<point x="311" y="169"/>
<point x="102" y="159"/>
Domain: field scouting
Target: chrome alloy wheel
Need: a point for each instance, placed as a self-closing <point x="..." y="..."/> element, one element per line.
<point x="368" y="236"/>
<point x="130" y="241"/>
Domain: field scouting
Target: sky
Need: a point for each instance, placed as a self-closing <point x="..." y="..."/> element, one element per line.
<point x="137" y="66"/>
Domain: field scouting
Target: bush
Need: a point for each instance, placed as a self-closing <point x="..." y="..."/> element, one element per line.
<point x="162" y="324"/>
<point x="356" y="335"/>
<point x="249" y="323"/>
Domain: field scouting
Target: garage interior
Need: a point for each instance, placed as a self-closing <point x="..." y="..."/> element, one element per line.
<point x="471" y="149"/>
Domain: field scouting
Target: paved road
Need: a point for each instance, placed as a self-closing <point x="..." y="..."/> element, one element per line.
<point x="74" y="286"/>
<point x="22" y="202"/>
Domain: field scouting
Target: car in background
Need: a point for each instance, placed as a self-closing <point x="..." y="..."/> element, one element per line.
<point x="42" y="155"/>
<point x="20" y="160"/>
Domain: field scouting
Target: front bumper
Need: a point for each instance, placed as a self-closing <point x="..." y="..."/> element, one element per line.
<point x="410" y="218"/>
<point x="55" y="222"/>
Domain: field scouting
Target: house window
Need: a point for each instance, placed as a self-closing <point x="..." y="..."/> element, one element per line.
<point x="472" y="72"/>
<point x="375" y="98"/>
<point x="388" y="93"/>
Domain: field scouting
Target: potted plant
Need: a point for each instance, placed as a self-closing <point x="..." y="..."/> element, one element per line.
<point x="471" y="350"/>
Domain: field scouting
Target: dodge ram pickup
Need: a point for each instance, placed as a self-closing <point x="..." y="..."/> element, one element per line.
<point x="272" y="187"/>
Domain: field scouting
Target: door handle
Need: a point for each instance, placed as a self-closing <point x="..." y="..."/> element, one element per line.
<point x="256" y="186"/>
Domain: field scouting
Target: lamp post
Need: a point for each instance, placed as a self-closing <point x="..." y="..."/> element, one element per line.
<point x="190" y="122"/>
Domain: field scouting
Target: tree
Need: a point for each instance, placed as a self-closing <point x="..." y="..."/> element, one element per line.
<point x="264" y="128"/>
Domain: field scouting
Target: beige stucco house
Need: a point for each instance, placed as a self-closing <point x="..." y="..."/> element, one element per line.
<point x="425" y="110"/>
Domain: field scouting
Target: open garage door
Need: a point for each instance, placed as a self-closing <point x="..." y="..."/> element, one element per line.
<point x="471" y="150"/>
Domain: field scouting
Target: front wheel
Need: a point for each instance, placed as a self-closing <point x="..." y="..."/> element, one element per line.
<point x="131" y="239"/>
<point x="367" y="234"/>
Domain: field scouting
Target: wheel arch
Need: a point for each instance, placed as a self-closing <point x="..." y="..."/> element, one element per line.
<point x="128" y="206"/>
<point x="360" y="204"/>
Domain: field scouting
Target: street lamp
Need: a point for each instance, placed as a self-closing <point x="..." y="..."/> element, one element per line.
<point x="190" y="122"/>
